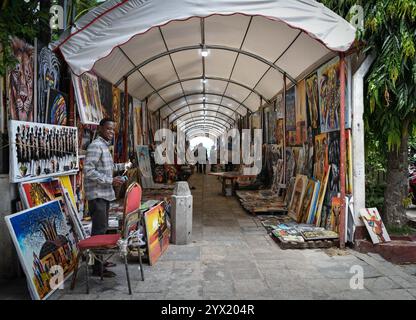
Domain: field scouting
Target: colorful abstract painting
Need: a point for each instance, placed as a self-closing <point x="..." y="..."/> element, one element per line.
<point x="329" y="95"/>
<point x="312" y="100"/>
<point x="20" y="82"/>
<point x="57" y="110"/>
<point x="374" y="225"/>
<point x="45" y="245"/>
<point x="40" y="150"/>
<point x="157" y="232"/>
<point x="49" y="77"/>
<point x="88" y="98"/>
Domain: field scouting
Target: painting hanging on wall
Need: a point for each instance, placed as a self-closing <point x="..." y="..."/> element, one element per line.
<point x="321" y="156"/>
<point x="106" y="97"/>
<point x="291" y="109"/>
<point x="49" y="74"/>
<point x="88" y="98"/>
<point x="41" y="150"/>
<point x="45" y="246"/>
<point x="334" y="161"/>
<point x="157" y="232"/>
<point x="272" y="116"/>
<point x="279" y="106"/>
<point x="279" y="132"/>
<point x="138" y="137"/>
<point x="374" y="225"/>
<point x="300" y="113"/>
<point x="21" y="82"/>
<point x="312" y="100"/>
<point x="329" y="95"/>
<point x="57" y="110"/>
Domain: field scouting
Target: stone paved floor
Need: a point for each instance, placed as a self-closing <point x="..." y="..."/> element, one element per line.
<point x="232" y="257"/>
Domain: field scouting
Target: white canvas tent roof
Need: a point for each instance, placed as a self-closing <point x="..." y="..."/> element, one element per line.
<point x="157" y="45"/>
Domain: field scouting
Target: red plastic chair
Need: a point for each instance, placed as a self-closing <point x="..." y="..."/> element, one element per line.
<point x="110" y="244"/>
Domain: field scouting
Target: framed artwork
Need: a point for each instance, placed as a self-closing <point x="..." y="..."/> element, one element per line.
<point x="143" y="158"/>
<point x="157" y="232"/>
<point x="291" y="109"/>
<point x="49" y="77"/>
<point x="374" y="225"/>
<point x="88" y="98"/>
<point x="57" y="110"/>
<point x="321" y="156"/>
<point x="21" y="82"/>
<point x="312" y="100"/>
<point x="39" y="192"/>
<point x="40" y="150"/>
<point x="295" y="206"/>
<point x="329" y="95"/>
<point x="45" y="245"/>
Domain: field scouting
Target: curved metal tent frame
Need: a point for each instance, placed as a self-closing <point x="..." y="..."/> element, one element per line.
<point x="202" y="117"/>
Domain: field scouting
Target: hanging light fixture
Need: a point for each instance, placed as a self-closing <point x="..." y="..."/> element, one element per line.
<point x="204" y="51"/>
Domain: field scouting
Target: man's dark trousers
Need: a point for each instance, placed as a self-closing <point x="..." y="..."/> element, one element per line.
<point x="98" y="209"/>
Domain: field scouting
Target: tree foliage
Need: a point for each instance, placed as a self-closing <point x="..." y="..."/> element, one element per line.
<point x="389" y="30"/>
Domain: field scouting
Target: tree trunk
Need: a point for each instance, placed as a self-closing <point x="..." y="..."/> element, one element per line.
<point x="397" y="183"/>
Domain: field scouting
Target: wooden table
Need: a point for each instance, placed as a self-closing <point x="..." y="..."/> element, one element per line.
<point x="232" y="176"/>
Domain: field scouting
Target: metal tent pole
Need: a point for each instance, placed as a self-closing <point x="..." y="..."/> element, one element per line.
<point x="342" y="152"/>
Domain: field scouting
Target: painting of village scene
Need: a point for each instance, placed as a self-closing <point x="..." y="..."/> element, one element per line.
<point x="45" y="246"/>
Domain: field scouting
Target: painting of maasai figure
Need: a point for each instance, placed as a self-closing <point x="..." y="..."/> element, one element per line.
<point x="49" y="73"/>
<point x="45" y="245"/>
<point x="21" y="82"/>
<point x="329" y="95"/>
<point x="40" y="150"/>
<point x="88" y="98"/>
<point x="57" y="110"/>
<point x="312" y="100"/>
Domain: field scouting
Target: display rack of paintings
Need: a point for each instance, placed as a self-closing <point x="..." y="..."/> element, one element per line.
<point x="49" y="77"/>
<point x="374" y="225"/>
<point x="45" y="245"/>
<point x="312" y="100"/>
<point x="321" y="156"/>
<point x="88" y="98"/>
<point x="57" y="110"/>
<point x="157" y="232"/>
<point x="297" y="196"/>
<point x="41" y="150"/>
<point x="20" y="82"/>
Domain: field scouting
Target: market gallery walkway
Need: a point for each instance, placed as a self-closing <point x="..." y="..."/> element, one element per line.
<point x="232" y="257"/>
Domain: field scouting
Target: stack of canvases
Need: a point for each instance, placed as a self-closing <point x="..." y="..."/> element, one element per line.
<point x="44" y="161"/>
<point x="315" y="199"/>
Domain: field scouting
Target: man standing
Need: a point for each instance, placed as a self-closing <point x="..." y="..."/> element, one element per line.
<point x="99" y="182"/>
<point x="202" y="158"/>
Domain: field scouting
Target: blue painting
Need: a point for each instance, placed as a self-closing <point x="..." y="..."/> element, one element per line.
<point x="46" y="247"/>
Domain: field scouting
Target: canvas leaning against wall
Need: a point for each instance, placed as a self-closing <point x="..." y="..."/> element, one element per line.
<point x="88" y="98"/>
<point x="45" y="245"/>
<point x="40" y="150"/>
